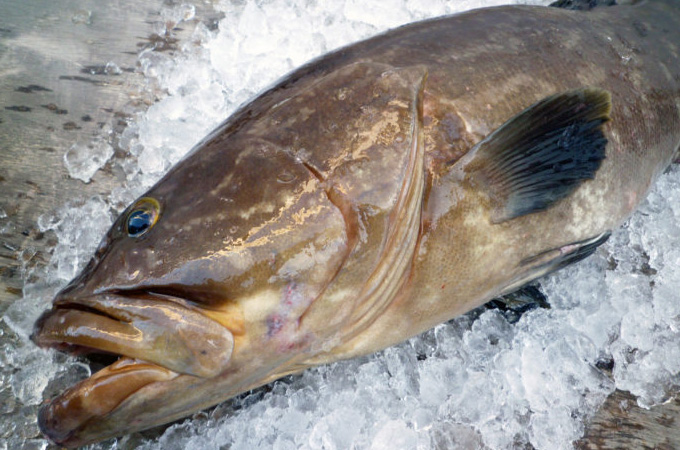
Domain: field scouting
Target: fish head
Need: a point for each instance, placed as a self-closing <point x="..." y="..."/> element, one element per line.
<point x="251" y="259"/>
<point x="200" y="284"/>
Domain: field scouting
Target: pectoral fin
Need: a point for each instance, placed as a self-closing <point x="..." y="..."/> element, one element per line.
<point x="541" y="155"/>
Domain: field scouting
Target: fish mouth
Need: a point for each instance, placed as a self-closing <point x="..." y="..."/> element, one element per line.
<point x="158" y="342"/>
<point x="66" y="416"/>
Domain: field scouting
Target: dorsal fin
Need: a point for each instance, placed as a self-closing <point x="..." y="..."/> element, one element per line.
<point x="582" y="5"/>
<point x="541" y="155"/>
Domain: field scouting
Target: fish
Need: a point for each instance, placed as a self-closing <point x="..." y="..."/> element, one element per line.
<point x="368" y="196"/>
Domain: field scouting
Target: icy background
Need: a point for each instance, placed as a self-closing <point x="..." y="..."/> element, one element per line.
<point x="476" y="382"/>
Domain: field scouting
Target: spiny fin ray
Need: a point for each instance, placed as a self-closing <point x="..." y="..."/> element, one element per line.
<point x="541" y="155"/>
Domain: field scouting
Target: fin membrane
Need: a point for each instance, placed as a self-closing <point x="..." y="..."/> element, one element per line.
<point x="554" y="259"/>
<point x="543" y="154"/>
<point x="559" y="258"/>
<point x="582" y="5"/>
<point x="512" y="306"/>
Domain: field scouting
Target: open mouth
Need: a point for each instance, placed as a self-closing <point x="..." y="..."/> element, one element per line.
<point x="148" y="340"/>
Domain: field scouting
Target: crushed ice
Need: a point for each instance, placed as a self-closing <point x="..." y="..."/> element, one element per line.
<point x="475" y="382"/>
<point x="83" y="161"/>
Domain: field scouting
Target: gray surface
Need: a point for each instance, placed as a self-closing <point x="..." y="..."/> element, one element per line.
<point x="50" y="99"/>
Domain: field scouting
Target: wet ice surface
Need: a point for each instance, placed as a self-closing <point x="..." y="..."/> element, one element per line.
<point x="476" y="382"/>
<point x="83" y="161"/>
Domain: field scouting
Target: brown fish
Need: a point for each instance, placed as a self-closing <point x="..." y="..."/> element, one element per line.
<point x="368" y="196"/>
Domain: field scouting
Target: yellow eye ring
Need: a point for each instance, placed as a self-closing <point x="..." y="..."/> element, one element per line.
<point x="142" y="217"/>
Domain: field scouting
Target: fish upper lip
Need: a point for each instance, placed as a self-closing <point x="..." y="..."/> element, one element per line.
<point x="144" y="327"/>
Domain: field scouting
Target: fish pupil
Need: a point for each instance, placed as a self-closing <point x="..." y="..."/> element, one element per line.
<point x="138" y="222"/>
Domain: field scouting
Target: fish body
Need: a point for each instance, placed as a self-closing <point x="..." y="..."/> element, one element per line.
<point x="368" y="196"/>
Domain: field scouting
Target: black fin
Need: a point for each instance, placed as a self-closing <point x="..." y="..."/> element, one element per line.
<point x="582" y="5"/>
<point x="515" y="304"/>
<point x="541" y="155"/>
<point x="559" y="258"/>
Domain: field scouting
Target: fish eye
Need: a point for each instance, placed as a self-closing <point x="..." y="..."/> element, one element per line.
<point x="142" y="217"/>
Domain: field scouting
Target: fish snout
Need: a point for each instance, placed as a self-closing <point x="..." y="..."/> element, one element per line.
<point x="154" y="330"/>
<point x="160" y="343"/>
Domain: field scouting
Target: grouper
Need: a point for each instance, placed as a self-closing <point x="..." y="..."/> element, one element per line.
<point x="368" y="196"/>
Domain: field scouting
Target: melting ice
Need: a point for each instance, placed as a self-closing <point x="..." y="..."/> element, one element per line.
<point x="475" y="382"/>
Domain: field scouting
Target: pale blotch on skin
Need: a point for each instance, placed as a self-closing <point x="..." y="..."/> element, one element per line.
<point x="260" y="208"/>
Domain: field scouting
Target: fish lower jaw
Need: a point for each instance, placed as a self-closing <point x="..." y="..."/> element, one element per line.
<point x="65" y="417"/>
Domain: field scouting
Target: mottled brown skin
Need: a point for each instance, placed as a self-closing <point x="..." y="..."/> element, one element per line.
<point x="324" y="221"/>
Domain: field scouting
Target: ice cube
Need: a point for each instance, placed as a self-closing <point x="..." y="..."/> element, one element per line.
<point x="83" y="161"/>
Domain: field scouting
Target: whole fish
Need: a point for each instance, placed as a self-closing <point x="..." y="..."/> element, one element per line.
<point x="368" y="196"/>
